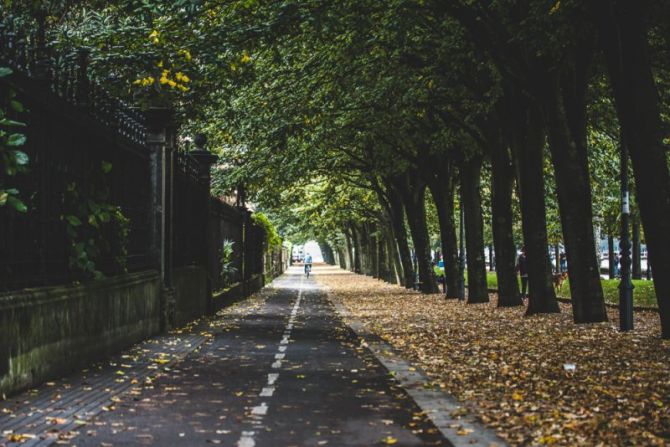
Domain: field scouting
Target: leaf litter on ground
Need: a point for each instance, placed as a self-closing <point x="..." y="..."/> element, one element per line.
<point x="538" y="380"/>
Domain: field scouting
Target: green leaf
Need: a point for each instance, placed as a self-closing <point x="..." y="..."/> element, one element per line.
<point x="17" y="106"/>
<point x="21" y="157"/>
<point x="16" y="139"/>
<point x="17" y="204"/>
<point x="106" y="167"/>
<point x="4" y="195"/>
<point x="5" y="71"/>
<point x="11" y="123"/>
<point x="73" y="220"/>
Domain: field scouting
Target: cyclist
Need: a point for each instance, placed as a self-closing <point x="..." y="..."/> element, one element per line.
<point x="308" y="264"/>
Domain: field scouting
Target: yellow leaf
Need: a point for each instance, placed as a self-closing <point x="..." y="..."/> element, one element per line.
<point x="18" y="437"/>
<point x="389" y="440"/>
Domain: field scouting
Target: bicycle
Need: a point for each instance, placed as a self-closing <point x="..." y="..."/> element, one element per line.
<point x="308" y="269"/>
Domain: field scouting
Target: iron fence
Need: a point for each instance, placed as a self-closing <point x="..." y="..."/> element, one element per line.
<point x="91" y="175"/>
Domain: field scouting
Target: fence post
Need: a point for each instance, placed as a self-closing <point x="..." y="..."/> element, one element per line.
<point x="160" y="141"/>
<point x="83" y="85"/>
<point x="205" y="160"/>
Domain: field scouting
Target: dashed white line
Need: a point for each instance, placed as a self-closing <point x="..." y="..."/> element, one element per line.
<point x="247" y="439"/>
<point x="260" y="410"/>
<point x="267" y="391"/>
<point x="257" y="412"/>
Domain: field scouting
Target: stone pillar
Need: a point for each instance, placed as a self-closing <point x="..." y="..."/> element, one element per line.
<point x="205" y="160"/>
<point x="161" y="143"/>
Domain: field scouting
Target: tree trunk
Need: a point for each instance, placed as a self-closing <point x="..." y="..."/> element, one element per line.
<point x="567" y="138"/>
<point x="502" y="182"/>
<point x="394" y="258"/>
<point x="397" y="214"/>
<point x="374" y="253"/>
<point x="474" y="230"/>
<point x="441" y="184"/>
<point x="557" y="255"/>
<point x="351" y="265"/>
<point x="342" y="257"/>
<point x="624" y="41"/>
<point x="528" y="144"/>
<point x="384" y="267"/>
<point x="413" y="192"/>
<point x="355" y="238"/>
<point x="637" y="251"/>
<point x="610" y="256"/>
<point x="365" y="242"/>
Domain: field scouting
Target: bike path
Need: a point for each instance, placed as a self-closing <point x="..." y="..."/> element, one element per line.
<point x="287" y="373"/>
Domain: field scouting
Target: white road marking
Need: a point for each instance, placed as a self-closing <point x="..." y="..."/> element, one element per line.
<point x="247" y="439"/>
<point x="259" y="411"/>
<point x="267" y="391"/>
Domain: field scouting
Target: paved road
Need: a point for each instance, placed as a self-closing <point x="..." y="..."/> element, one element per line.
<point x="285" y="373"/>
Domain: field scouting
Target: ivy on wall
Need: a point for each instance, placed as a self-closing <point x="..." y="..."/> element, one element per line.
<point x="14" y="160"/>
<point x="97" y="230"/>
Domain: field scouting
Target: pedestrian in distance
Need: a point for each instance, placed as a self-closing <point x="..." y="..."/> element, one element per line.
<point x="308" y="264"/>
<point x="522" y="270"/>
<point x="563" y="262"/>
<point x="616" y="265"/>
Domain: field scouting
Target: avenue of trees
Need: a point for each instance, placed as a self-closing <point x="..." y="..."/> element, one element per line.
<point x="367" y="125"/>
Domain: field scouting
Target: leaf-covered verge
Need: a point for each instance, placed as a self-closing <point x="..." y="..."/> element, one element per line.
<point x="515" y="372"/>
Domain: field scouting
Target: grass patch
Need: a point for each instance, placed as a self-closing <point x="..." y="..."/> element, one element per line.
<point x="643" y="294"/>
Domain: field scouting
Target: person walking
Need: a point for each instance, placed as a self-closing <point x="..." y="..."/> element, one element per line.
<point x="616" y="265"/>
<point x="563" y="262"/>
<point x="308" y="264"/>
<point x="522" y="269"/>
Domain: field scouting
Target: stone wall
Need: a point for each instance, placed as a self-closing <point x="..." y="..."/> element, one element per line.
<point x="46" y="332"/>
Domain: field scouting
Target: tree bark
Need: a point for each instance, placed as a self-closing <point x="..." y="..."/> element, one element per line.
<point x="624" y="41"/>
<point x="350" y="251"/>
<point x="527" y="144"/>
<point x="474" y="230"/>
<point x="396" y="211"/>
<point x="441" y="184"/>
<point x="502" y="180"/>
<point x="384" y="259"/>
<point x="567" y="142"/>
<point x="355" y="239"/>
<point x="412" y="192"/>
